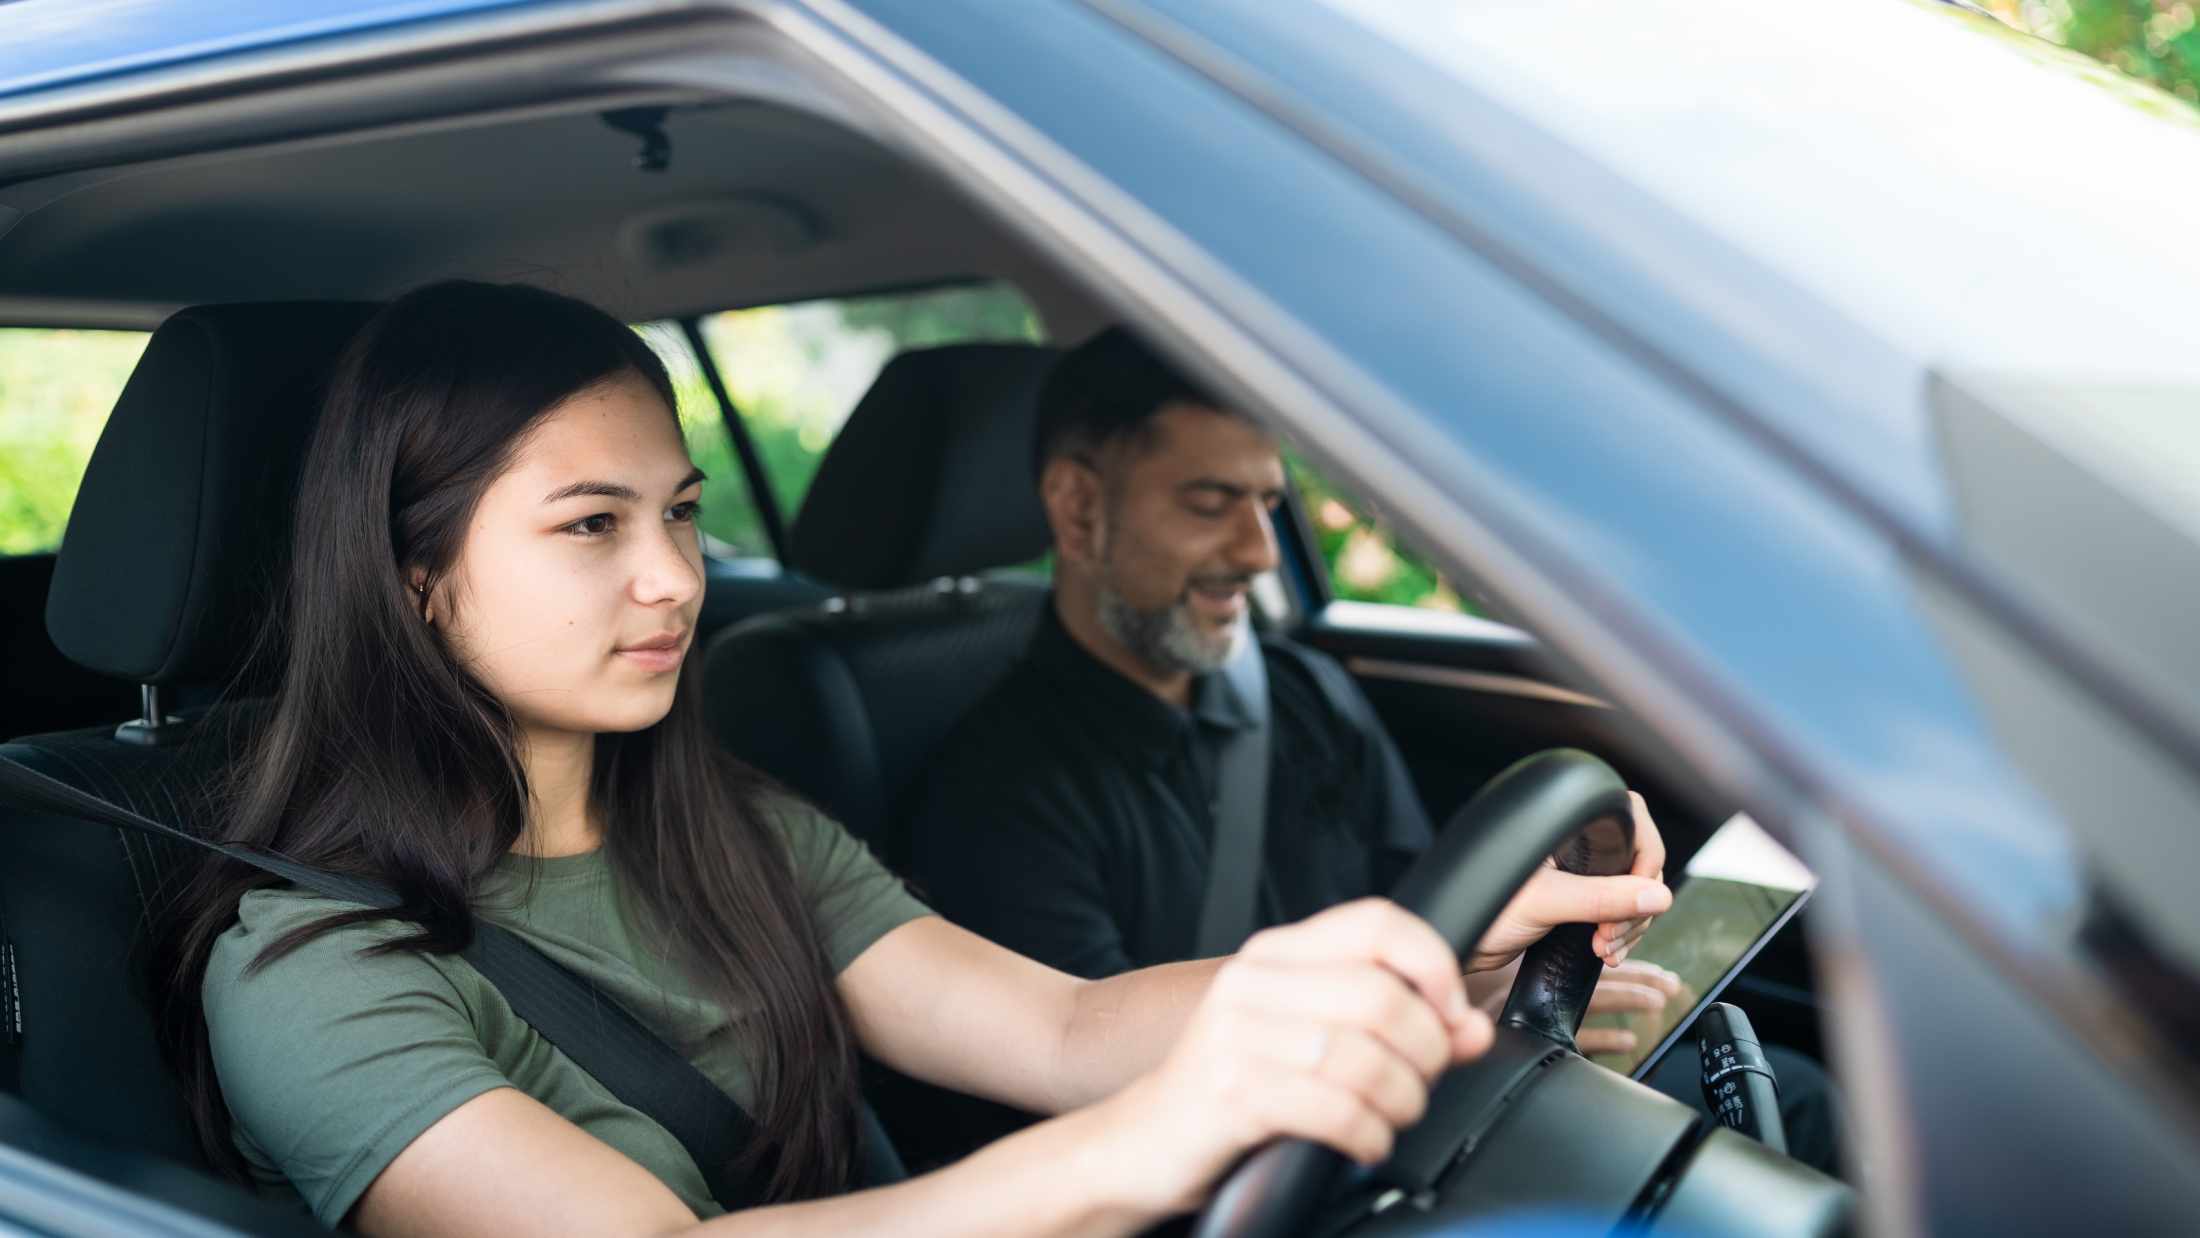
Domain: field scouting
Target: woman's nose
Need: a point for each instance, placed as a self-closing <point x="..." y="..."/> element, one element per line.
<point x="671" y="572"/>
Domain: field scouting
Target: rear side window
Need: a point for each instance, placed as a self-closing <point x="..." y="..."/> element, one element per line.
<point x="56" y="389"/>
<point x="796" y="371"/>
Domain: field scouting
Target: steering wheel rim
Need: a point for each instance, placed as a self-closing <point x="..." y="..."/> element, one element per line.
<point x="1541" y="807"/>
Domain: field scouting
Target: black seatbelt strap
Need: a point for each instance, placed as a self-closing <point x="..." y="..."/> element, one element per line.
<point x="599" y="1035"/>
<point x="1241" y="810"/>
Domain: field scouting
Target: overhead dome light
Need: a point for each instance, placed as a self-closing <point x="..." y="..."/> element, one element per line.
<point x="690" y="233"/>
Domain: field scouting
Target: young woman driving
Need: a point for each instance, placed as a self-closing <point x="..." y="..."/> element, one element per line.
<point x="495" y="583"/>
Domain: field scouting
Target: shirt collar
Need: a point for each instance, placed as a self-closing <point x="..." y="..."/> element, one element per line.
<point x="1122" y="708"/>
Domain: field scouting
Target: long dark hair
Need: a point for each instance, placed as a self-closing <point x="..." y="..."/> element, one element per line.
<point x="383" y="758"/>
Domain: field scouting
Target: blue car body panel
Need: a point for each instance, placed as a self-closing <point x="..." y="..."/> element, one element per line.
<point x="1654" y="282"/>
<point x="47" y="44"/>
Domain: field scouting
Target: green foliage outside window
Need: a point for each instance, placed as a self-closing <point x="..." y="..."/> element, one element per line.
<point x="2156" y="41"/>
<point x="1365" y="561"/>
<point x="56" y="389"/>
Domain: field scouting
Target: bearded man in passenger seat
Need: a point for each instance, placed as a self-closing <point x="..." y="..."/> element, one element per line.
<point x="1071" y="815"/>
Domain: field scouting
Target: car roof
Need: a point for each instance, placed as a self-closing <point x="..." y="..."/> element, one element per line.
<point x="58" y="43"/>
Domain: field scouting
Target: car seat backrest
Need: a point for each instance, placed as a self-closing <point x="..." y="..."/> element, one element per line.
<point x="930" y="477"/>
<point x="928" y="484"/>
<point x="169" y="562"/>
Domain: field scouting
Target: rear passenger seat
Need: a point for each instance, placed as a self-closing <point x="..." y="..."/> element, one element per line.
<point x="45" y="691"/>
<point x="927" y="485"/>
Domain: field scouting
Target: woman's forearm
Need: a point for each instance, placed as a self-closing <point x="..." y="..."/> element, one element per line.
<point x="1121" y="1027"/>
<point x="1060" y="1177"/>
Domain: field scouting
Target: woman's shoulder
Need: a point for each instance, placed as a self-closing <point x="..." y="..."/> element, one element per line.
<point x="270" y="913"/>
<point x="819" y="847"/>
<point x="341" y="961"/>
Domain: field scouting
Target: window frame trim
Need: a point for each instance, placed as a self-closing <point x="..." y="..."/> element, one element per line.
<point x="761" y="495"/>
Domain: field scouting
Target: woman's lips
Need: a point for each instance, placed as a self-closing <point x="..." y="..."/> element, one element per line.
<point x="656" y="656"/>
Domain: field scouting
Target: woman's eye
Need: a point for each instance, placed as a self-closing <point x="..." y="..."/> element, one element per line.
<point x="593" y="526"/>
<point x="684" y="513"/>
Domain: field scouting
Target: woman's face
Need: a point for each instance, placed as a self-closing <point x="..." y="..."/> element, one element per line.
<point x="575" y="595"/>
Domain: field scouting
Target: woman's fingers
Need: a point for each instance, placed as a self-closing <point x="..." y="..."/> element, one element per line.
<point x="1553" y="897"/>
<point x="1306" y="1106"/>
<point x="1362" y="1065"/>
<point x="1613" y="941"/>
<point x="1375" y="930"/>
<point x="1369" y="999"/>
<point x="1649" y="844"/>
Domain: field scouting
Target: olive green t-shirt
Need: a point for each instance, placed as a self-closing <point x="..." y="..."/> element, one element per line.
<point x="332" y="1061"/>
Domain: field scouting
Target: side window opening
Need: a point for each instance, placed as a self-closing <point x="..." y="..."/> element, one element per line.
<point x="56" y="389"/>
<point x="1363" y="556"/>
<point x="795" y="372"/>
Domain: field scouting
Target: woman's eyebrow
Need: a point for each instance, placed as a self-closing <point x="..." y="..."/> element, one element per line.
<point x="615" y="490"/>
<point x="603" y="489"/>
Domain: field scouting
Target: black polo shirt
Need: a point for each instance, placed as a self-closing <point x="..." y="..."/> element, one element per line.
<point x="1069" y="815"/>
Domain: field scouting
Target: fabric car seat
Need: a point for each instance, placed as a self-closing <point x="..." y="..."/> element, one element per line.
<point x="928" y="484"/>
<point x="166" y="571"/>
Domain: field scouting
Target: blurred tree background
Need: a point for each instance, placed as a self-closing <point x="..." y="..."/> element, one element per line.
<point x="2153" y="40"/>
<point x="56" y="388"/>
<point x="796" y="371"/>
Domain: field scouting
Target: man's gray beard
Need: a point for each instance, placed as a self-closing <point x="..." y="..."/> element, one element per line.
<point x="1166" y="638"/>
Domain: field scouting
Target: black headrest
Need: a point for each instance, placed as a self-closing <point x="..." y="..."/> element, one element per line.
<point x="175" y="546"/>
<point x="931" y="475"/>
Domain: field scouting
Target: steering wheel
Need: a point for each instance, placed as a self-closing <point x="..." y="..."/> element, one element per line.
<point x="1562" y="804"/>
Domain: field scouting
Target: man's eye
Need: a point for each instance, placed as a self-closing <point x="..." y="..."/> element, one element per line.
<point x="593" y="526"/>
<point x="684" y="513"/>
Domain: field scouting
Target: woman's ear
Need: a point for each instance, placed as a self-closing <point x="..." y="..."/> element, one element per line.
<point x="1070" y="491"/>
<point x="417" y="580"/>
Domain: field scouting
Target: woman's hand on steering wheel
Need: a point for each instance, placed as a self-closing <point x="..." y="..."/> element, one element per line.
<point x="1331" y="1029"/>
<point x="1621" y="907"/>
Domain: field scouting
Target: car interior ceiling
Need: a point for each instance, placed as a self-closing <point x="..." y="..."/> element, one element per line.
<point x="757" y="205"/>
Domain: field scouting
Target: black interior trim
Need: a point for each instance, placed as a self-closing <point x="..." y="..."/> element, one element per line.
<point x="761" y="495"/>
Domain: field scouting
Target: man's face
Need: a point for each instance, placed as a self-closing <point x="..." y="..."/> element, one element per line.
<point x="1184" y="528"/>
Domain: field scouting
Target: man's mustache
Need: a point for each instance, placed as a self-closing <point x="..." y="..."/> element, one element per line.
<point x="1230" y="580"/>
